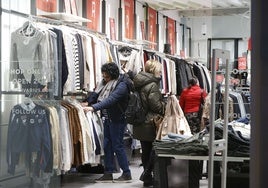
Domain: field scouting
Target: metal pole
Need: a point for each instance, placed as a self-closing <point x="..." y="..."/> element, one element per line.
<point x="212" y="119"/>
<point x="225" y="127"/>
<point x="103" y="12"/>
<point x="33" y="7"/>
<point x="120" y="16"/>
<point x="183" y="36"/>
<point x="146" y="22"/>
<point x="157" y="31"/>
<point x="190" y="41"/>
<point x="135" y="34"/>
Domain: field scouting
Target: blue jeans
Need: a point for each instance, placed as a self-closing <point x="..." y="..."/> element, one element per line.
<point x="114" y="144"/>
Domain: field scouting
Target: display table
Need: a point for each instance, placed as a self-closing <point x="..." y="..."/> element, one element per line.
<point x="217" y="158"/>
<point x="163" y="161"/>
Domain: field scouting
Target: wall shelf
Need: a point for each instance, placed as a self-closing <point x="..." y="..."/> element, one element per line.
<point x="65" y="17"/>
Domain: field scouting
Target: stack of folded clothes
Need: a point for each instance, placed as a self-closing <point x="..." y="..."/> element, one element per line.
<point x="182" y="145"/>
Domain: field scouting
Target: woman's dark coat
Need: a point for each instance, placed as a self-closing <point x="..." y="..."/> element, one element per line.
<point x="148" y="86"/>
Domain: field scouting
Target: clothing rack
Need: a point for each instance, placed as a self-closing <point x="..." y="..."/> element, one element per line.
<point x="32" y="19"/>
<point x="155" y="52"/>
<point x="53" y="22"/>
<point x="141" y="42"/>
<point x="173" y="56"/>
<point x="122" y="43"/>
<point x="195" y="59"/>
<point x="162" y="54"/>
<point x="144" y="43"/>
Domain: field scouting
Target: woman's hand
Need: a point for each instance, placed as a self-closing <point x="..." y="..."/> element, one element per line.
<point x="84" y="104"/>
<point x="88" y="108"/>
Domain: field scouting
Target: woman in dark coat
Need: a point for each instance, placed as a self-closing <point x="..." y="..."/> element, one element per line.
<point x="112" y="101"/>
<point x="147" y="83"/>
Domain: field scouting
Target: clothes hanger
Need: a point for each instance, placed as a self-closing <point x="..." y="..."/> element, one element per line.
<point x="28" y="104"/>
<point x="28" y="28"/>
<point x="27" y="101"/>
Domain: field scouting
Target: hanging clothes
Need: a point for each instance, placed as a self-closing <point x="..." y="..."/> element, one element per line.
<point x="29" y="135"/>
<point x="27" y="69"/>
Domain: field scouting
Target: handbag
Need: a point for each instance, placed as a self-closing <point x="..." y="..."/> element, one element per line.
<point x="174" y="120"/>
<point x="157" y="120"/>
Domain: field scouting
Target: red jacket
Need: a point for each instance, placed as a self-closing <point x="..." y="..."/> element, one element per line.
<point x="190" y="99"/>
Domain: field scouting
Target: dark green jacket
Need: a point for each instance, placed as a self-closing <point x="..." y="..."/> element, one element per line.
<point x="148" y="86"/>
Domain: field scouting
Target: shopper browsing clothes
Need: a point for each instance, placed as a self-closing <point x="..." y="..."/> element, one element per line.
<point x="147" y="83"/>
<point x="112" y="101"/>
<point x="189" y="101"/>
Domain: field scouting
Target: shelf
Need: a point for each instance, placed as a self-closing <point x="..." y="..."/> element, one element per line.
<point x="217" y="158"/>
<point x="65" y="17"/>
<point x="142" y="42"/>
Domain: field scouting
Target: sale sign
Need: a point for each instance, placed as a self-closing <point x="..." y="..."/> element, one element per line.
<point x="152" y="16"/>
<point x="93" y="14"/>
<point x="129" y="21"/>
<point x="242" y="63"/>
<point x="171" y="34"/>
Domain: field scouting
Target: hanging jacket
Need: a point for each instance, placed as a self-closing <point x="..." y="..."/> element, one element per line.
<point x="152" y="100"/>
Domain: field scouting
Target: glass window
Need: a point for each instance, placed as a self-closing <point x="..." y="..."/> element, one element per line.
<point x="23" y="6"/>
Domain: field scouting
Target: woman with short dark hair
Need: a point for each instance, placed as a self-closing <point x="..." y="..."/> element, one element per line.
<point x="112" y="101"/>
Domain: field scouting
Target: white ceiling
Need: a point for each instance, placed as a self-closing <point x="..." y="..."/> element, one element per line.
<point x="189" y="8"/>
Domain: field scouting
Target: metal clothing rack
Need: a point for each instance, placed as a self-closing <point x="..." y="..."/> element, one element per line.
<point x="56" y="22"/>
<point x="219" y="145"/>
<point x="122" y="43"/>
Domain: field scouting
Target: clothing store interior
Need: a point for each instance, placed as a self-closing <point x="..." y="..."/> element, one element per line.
<point x="202" y="98"/>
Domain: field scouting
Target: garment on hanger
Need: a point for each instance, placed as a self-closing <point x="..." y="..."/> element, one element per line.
<point x="29" y="135"/>
<point x="26" y="65"/>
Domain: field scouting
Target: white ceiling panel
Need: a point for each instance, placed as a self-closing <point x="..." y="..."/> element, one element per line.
<point x="188" y="8"/>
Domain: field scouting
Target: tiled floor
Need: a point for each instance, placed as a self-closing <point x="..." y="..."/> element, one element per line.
<point x="86" y="180"/>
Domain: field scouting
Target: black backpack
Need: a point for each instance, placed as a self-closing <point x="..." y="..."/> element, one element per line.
<point x="135" y="113"/>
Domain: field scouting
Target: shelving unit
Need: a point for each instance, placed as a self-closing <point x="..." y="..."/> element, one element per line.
<point x="64" y="17"/>
<point x="216" y="158"/>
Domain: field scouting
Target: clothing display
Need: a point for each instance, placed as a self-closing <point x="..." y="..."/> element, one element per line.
<point x="29" y="135"/>
<point x="63" y="136"/>
<point x="176" y="144"/>
<point x="55" y="66"/>
<point x="238" y="145"/>
<point x="27" y="68"/>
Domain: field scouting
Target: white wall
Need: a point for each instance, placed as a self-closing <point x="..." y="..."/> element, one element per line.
<point x="230" y="26"/>
<point x="112" y="11"/>
<point x="140" y="12"/>
<point x="218" y="27"/>
<point x="162" y="33"/>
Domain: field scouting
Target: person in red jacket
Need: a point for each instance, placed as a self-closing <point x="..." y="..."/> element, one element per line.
<point x="189" y="101"/>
